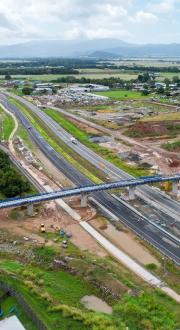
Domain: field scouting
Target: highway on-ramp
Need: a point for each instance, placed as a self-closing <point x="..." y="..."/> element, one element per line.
<point x="134" y="221"/>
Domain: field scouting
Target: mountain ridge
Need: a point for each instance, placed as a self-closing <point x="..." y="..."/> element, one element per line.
<point x="80" y="48"/>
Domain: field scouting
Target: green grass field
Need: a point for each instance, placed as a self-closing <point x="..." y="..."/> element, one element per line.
<point x="11" y="302"/>
<point x="92" y="74"/>
<point x="63" y="287"/>
<point x="6" y="125"/>
<point x="169" y="75"/>
<point x="95" y="75"/>
<point x="55" y="296"/>
<point x="124" y="95"/>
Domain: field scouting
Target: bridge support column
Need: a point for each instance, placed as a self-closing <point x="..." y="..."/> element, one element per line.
<point x="84" y="200"/>
<point x="175" y="187"/>
<point x="132" y="193"/>
<point x="30" y="210"/>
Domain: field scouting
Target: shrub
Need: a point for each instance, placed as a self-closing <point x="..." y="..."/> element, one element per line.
<point x="40" y="282"/>
<point x="151" y="267"/>
<point x="46" y="297"/>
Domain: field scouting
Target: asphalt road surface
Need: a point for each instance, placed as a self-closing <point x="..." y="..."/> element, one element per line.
<point x="138" y="224"/>
<point x="159" y="200"/>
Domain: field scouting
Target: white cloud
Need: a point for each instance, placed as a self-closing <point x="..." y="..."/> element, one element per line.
<point x="164" y="6"/>
<point x="65" y="18"/>
<point x="23" y="20"/>
<point x="144" y="17"/>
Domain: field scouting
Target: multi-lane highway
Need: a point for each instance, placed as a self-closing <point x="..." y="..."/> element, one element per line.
<point x="134" y="221"/>
<point x="158" y="199"/>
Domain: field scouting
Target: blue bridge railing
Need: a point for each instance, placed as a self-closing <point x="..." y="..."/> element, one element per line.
<point x="43" y="197"/>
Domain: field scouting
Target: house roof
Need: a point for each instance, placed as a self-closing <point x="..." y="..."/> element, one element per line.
<point x="11" y="323"/>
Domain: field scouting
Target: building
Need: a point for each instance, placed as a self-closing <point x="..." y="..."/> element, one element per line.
<point x="160" y="85"/>
<point x="11" y="323"/>
<point x="97" y="88"/>
<point x="42" y="90"/>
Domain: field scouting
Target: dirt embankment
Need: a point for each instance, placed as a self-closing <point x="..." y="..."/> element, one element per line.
<point x="149" y="129"/>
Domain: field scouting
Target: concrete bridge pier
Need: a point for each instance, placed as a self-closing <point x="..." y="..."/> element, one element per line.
<point x="175" y="187"/>
<point x="84" y="200"/>
<point x="132" y="194"/>
<point x="30" y="210"/>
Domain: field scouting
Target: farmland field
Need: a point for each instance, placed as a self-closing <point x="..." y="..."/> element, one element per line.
<point x="148" y="62"/>
<point x="124" y="95"/>
<point x="169" y="75"/>
<point x="93" y="75"/>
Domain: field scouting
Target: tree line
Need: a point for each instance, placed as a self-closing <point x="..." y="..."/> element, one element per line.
<point x="12" y="184"/>
<point x="36" y="71"/>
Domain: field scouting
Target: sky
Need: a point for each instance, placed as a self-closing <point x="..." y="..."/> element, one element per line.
<point x="135" y="21"/>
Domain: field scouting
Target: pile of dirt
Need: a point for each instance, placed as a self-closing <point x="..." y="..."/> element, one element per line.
<point x="143" y="129"/>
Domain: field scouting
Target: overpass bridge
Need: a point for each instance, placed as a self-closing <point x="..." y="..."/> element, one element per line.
<point x="87" y="189"/>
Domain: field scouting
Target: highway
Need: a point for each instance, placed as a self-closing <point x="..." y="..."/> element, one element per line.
<point x="160" y="200"/>
<point x="135" y="222"/>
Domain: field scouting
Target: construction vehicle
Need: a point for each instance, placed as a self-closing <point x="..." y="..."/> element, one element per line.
<point x="65" y="244"/>
<point x="69" y="234"/>
<point x="62" y="233"/>
<point x="42" y="228"/>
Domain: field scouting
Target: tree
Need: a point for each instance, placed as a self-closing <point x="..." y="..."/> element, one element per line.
<point x="145" y="92"/>
<point x="167" y="82"/>
<point x="27" y="90"/>
<point x="143" y="78"/>
<point x="160" y="90"/>
<point x="7" y="77"/>
<point x="11" y="182"/>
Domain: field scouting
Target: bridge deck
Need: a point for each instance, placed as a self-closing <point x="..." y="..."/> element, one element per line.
<point x="42" y="197"/>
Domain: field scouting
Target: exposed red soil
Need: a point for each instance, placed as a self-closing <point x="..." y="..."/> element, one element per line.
<point x="152" y="128"/>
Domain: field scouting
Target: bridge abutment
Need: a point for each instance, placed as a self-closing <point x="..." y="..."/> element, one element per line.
<point x="132" y="194"/>
<point x="84" y="200"/>
<point x="175" y="187"/>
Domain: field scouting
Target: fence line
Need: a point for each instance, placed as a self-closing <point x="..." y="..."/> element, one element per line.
<point x="22" y="302"/>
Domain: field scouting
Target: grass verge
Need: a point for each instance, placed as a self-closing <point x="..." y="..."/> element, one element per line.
<point x="6" y="125"/>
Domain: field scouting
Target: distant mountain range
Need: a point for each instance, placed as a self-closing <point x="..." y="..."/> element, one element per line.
<point x="99" y="48"/>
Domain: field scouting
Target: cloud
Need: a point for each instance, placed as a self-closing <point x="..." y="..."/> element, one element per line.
<point x="164" y="6"/>
<point x="4" y="22"/>
<point x="66" y="18"/>
<point x="143" y="17"/>
<point x="23" y="20"/>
